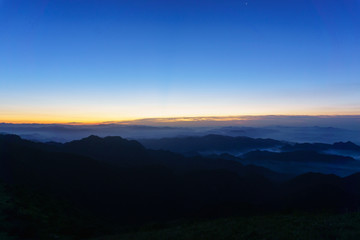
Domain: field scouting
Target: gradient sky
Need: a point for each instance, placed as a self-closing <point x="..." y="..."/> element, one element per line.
<point x="102" y="60"/>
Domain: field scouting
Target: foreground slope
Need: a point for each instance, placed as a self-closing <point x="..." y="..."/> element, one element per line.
<point x="272" y="227"/>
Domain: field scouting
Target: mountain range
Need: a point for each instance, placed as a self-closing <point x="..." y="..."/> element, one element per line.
<point x="113" y="181"/>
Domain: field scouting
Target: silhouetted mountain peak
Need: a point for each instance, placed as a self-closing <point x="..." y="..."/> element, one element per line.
<point x="10" y="137"/>
<point x="113" y="149"/>
<point x="92" y="138"/>
<point x="112" y="141"/>
<point x="353" y="177"/>
<point x="346" y="146"/>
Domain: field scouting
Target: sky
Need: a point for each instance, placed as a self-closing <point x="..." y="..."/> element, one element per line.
<point x="103" y="60"/>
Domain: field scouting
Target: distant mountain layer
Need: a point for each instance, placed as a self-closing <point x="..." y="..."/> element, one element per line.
<point x="210" y="143"/>
<point x="218" y="143"/>
<point x="297" y="162"/>
<point x="299" y="133"/>
<point x="339" y="146"/>
<point x="298" y="156"/>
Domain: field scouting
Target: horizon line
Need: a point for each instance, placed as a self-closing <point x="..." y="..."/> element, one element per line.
<point x="176" y="119"/>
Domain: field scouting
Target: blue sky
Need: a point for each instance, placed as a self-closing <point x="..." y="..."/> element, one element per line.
<point x="88" y="60"/>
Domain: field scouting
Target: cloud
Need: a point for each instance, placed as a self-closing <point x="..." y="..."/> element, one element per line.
<point x="342" y="121"/>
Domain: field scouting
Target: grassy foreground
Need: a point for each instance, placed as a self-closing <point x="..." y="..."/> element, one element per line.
<point x="294" y="226"/>
<point x="24" y="215"/>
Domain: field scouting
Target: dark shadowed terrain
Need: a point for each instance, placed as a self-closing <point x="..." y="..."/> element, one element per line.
<point x="97" y="186"/>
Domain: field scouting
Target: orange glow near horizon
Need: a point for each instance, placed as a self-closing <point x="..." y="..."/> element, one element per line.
<point x="157" y="119"/>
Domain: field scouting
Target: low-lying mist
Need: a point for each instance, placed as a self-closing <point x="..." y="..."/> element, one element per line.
<point x="65" y="133"/>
